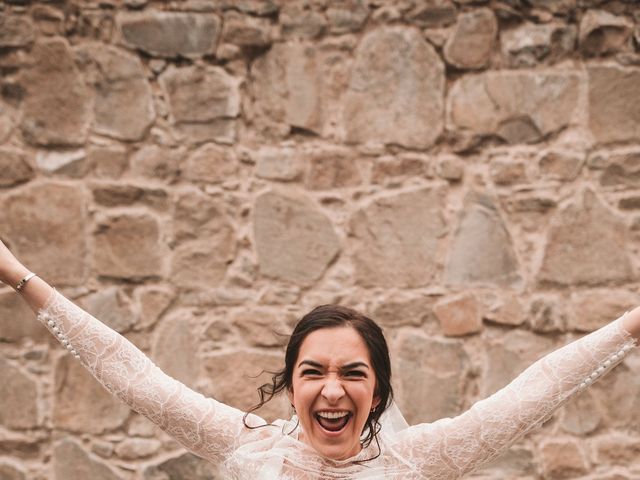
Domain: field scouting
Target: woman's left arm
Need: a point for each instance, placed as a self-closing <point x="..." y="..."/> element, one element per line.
<point x="452" y="447"/>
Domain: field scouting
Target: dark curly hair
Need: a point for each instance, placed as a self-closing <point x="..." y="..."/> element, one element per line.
<point x="331" y="316"/>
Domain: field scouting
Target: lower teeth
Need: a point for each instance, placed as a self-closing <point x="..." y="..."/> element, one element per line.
<point x="333" y="425"/>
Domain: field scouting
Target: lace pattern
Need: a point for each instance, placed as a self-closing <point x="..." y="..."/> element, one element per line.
<point x="446" y="449"/>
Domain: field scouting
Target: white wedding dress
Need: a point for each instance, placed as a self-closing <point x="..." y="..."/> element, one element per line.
<point x="446" y="449"/>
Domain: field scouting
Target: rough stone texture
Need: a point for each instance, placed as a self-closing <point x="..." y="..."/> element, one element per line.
<point x="482" y="251"/>
<point x="45" y="227"/>
<point x="617" y="449"/>
<point x="459" y="315"/>
<point x="559" y="165"/>
<point x="414" y="105"/>
<point x="153" y="301"/>
<point x="593" y="309"/>
<point x="16" y="321"/>
<point x="331" y="169"/>
<point x="122" y="104"/>
<point x="15" y="31"/>
<point x="563" y="458"/>
<point x="530" y="44"/>
<point x="236" y="375"/>
<point x="112" y="307"/>
<point x="210" y="164"/>
<point x="397" y="311"/>
<point x="107" y="162"/>
<point x="116" y="194"/>
<point x="81" y="404"/>
<point x="295" y="242"/>
<point x="396" y="237"/>
<point x="56" y="102"/>
<point x="278" y="163"/>
<point x="114" y="256"/>
<point x="14" y="168"/>
<point x="246" y="31"/>
<point x="11" y="472"/>
<point x="472" y="40"/>
<point x="586" y="245"/>
<point x="602" y="33"/>
<point x="261" y="328"/>
<point x="204" y="102"/>
<point x="68" y="162"/>
<point x="71" y="461"/>
<point x="135" y="448"/>
<point x="582" y="415"/>
<point x="434" y="371"/>
<point x="170" y="34"/>
<point x="614" y="106"/>
<point x="619" y="168"/>
<point x="152" y="161"/>
<point x="504" y="308"/>
<point x="518" y="107"/>
<point x="183" y="466"/>
<point x="18" y="403"/>
<point x="433" y="14"/>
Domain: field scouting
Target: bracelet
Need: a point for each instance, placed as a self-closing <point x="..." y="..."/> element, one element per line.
<point x="24" y="281"/>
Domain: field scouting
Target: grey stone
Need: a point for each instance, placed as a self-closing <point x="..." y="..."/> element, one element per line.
<point x="14" y="168"/>
<point x="495" y="103"/>
<point x="112" y="307"/>
<point x="72" y="462"/>
<point x="547" y="315"/>
<point x="123" y="104"/>
<point x="56" y="108"/>
<point x="619" y="168"/>
<point x="170" y="34"/>
<point x="409" y="114"/>
<point x="586" y="245"/>
<point x="482" y="251"/>
<point x="396" y="239"/>
<point x="295" y="241"/>
<point x="614" y="103"/>
<point x="18" y="403"/>
<point x="45" y="225"/>
<point x="204" y="101"/>
<point x="473" y="38"/>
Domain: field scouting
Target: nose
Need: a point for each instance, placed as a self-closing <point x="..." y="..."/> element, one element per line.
<point x="332" y="390"/>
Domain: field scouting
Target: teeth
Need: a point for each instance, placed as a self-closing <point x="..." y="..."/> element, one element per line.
<point x="332" y="415"/>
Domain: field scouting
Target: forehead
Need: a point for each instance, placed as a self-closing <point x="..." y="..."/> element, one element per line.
<point x="334" y="346"/>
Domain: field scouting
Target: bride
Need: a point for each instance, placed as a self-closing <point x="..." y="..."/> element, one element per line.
<point x="337" y="375"/>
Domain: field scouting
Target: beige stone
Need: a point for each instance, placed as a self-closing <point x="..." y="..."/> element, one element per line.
<point x="235" y="376"/>
<point x="70" y="162"/>
<point x="17" y="322"/>
<point x="262" y="327"/>
<point x="531" y="43"/>
<point x="582" y="415"/>
<point x="602" y="32"/>
<point x="123" y="105"/>
<point x="56" y="108"/>
<point x="118" y="194"/>
<point x="128" y="245"/>
<point x="434" y="371"/>
<point x="210" y="164"/>
<point x="200" y="216"/>
<point x="107" y="161"/>
<point x="185" y="465"/>
<point x="72" y="462"/>
<point x="245" y="30"/>
<point x="204" y="102"/>
<point x="563" y="458"/>
<point x="16" y="31"/>
<point x="459" y="315"/>
<point x="504" y="308"/>
<point x="520" y="107"/>
<point x="586" y="245"/>
<point x="11" y="472"/>
<point x="279" y="163"/>
<point x="621" y="395"/>
<point x="472" y="41"/>
<point x="155" y="162"/>
<point x="392" y="170"/>
<point x="614" y="103"/>
<point x="18" y="403"/>
<point x="170" y="34"/>
<point x="482" y="251"/>
<point x="300" y="23"/>
<point x="152" y="302"/>
<point x="592" y="309"/>
<point x="45" y="225"/>
<point x="450" y="168"/>
<point x="560" y="165"/>
<point x="619" y="168"/>
<point x="294" y="240"/>
<point x="331" y="169"/>
<point x="396" y="239"/>
<point x="81" y="404"/>
<point x="547" y="314"/>
<point x="409" y="114"/>
<point x="203" y="263"/>
<point x="135" y="448"/>
<point x="433" y="14"/>
<point x="112" y="307"/>
<point x="349" y="16"/>
<point x="504" y="171"/>
<point x="14" y="168"/>
<point x="617" y="449"/>
<point x="396" y="311"/>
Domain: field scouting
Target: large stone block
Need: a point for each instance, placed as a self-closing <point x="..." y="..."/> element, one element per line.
<point x="56" y="108"/>
<point x="128" y="246"/>
<point x="204" y="102"/>
<point x="123" y="105"/>
<point x="72" y="462"/>
<point x="397" y="239"/>
<point x="434" y="373"/>
<point x="294" y="240"/>
<point x="395" y="99"/>
<point x="81" y="404"/>
<point x="482" y="251"/>
<point x="473" y="38"/>
<point x="45" y="227"/>
<point x="519" y="107"/>
<point x="586" y="245"/>
<point x="614" y="103"/>
<point x="170" y="34"/>
<point x="459" y="315"/>
<point x="18" y="402"/>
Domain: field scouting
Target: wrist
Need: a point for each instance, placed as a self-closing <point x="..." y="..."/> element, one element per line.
<point x="13" y="274"/>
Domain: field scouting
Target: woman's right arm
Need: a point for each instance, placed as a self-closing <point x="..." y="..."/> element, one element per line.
<point x="204" y="426"/>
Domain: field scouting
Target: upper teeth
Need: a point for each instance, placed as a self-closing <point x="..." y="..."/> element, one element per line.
<point x="333" y="414"/>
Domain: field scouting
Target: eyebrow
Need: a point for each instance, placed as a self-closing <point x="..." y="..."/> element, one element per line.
<point x="348" y="366"/>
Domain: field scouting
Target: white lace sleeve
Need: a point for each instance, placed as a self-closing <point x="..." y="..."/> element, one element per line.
<point x="452" y="447"/>
<point x="204" y="426"/>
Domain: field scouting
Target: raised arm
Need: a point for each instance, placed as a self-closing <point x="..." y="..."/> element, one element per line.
<point x="450" y="448"/>
<point x="206" y="427"/>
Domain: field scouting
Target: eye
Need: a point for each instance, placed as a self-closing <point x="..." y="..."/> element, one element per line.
<point x="310" y="372"/>
<point x="356" y="373"/>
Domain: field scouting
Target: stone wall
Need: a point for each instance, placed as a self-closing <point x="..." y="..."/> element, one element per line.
<point x="198" y="174"/>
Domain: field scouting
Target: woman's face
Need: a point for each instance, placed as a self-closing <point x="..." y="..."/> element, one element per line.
<point x="333" y="390"/>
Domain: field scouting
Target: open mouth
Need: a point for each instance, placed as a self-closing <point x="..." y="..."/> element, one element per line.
<point x="333" y="422"/>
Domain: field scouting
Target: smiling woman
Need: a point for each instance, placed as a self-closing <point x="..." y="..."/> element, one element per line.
<point x="337" y="376"/>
